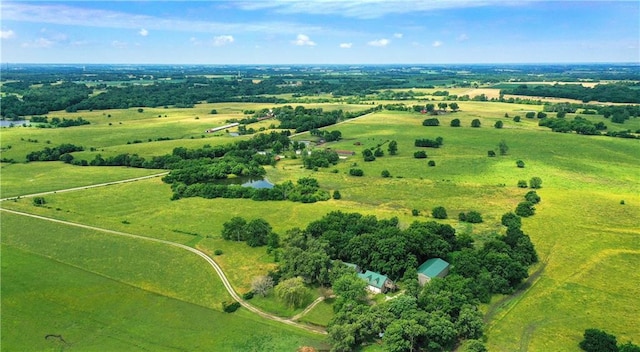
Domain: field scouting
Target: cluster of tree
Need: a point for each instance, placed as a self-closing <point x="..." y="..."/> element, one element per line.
<point x="41" y="100"/>
<point x="420" y="154"/>
<point x="328" y="136"/>
<point x="205" y="171"/>
<point x="472" y="217"/>
<point x="399" y="95"/>
<point x="534" y="182"/>
<point x="55" y="153"/>
<point x="370" y="154"/>
<point x="425" y="142"/>
<point x="255" y="233"/>
<point x="527" y="208"/>
<point x="56" y="122"/>
<point x="320" y="158"/>
<point x="596" y="340"/>
<point x="306" y="190"/>
<point x="378" y="245"/>
<point x="303" y="119"/>
<point x="612" y="92"/>
<point x="431" y="122"/>
<point x="579" y="124"/>
<point x="432" y="318"/>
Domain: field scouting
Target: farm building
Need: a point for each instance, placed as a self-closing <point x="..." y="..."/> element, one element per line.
<point x="434" y="267"/>
<point x="377" y="283"/>
<point x="216" y="129"/>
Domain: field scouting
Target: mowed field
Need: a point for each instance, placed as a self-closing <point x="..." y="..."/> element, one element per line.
<point x="588" y="243"/>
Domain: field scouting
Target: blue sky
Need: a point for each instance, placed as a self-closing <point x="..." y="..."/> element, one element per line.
<point x="320" y="32"/>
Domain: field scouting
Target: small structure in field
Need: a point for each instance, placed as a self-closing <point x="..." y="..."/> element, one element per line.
<point x="216" y="129"/>
<point x="434" y="267"/>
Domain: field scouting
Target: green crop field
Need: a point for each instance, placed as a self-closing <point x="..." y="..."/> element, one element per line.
<point x="587" y="241"/>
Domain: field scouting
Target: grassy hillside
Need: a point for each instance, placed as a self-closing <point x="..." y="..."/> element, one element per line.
<point x="588" y="242"/>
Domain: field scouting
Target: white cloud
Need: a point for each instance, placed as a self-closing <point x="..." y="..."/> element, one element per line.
<point x="143" y="32"/>
<point x="380" y="42"/>
<point x="436" y="44"/>
<point x="303" y="40"/>
<point x="462" y="37"/>
<point x="223" y="40"/>
<point x="8" y="34"/>
<point x="346" y="45"/>
<point x="39" y="43"/>
<point x="365" y="9"/>
<point x="78" y="16"/>
<point x="397" y="35"/>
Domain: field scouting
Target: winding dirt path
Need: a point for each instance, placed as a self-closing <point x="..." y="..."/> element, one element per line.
<point x="208" y="259"/>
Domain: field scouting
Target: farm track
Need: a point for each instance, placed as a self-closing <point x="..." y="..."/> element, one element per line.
<point x="86" y="187"/>
<point x="204" y="256"/>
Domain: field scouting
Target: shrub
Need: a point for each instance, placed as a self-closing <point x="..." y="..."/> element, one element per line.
<point x="218" y="252"/>
<point x="475" y="123"/>
<point x="140" y="110"/>
<point x="598" y="341"/>
<point x="520" y="164"/>
<point x="522" y="184"/>
<point x="491" y="153"/>
<point x="439" y="212"/>
<point x="378" y="153"/>
<point x="511" y="220"/>
<point x="421" y="154"/>
<point x="473" y="217"/>
<point x="498" y="124"/>
<point x="337" y="195"/>
<point x="530" y="114"/>
<point x="516" y="119"/>
<point x="247" y="295"/>
<point x="385" y="173"/>
<point x="455" y="123"/>
<point x="356" y="172"/>
<point x="622" y="202"/>
<point x="525" y="209"/>
<point x="39" y="201"/>
<point x="431" y="122"/>
<point x="535" y="182"/>
<point x="431" y="163"/>
<point x="213" y="111"/>
<point x="415" y="212"/>
<point x="230" y="307"/>
<point x="532" y="197"/>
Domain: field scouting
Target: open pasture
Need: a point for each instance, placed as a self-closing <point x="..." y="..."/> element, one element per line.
<point x="86" y="311"/>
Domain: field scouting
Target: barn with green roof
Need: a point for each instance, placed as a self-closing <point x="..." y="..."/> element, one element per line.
<point x="434" y="267"/>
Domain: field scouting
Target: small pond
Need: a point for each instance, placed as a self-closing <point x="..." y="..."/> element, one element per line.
<point x="245" y="181"/>
<point x="7" y="123"/>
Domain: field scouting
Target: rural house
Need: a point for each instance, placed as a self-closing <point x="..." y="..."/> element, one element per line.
<point x="376" y="283"/>
<point x="434" y="267"/>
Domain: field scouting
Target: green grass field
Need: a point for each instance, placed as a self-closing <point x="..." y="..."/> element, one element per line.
<point x="588" y="243"/>
<point x="104" y="293"/>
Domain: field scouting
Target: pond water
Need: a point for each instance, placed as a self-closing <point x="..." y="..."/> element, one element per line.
<point x="247" y="182"/>
<point x="7" y="123"/>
